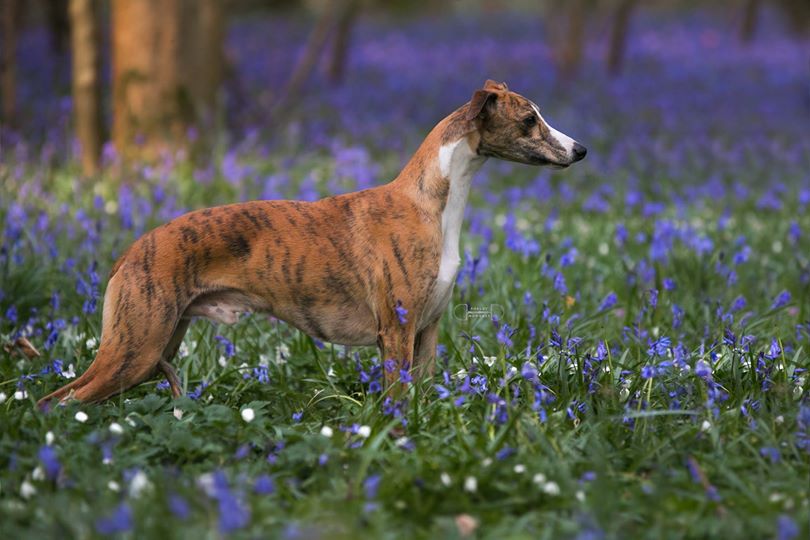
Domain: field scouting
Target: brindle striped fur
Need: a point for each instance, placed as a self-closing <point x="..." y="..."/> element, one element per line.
<point x="334" y="268"/>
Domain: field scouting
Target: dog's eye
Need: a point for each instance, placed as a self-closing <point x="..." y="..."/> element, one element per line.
<point x="530" y="121"/>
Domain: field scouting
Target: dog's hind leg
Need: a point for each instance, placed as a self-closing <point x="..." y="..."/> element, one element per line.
<point x="133" y="342"/>
<point x="171" y="350"/>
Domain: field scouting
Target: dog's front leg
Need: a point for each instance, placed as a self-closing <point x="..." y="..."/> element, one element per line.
<point x="396" y="343"/>
<point x="425" y="351"/>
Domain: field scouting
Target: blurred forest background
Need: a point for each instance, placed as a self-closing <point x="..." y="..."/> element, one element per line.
<point x="157" y="76"/>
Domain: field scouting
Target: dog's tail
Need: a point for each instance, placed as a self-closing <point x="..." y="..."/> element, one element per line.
<point x="99" y="381"/>
<point x="104" y="378"/>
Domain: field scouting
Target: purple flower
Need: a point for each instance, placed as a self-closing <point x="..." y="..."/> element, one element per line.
<point x="228" y="348"/>
<point x="50" y="461"/>
<point x="261" y="374"/>
<point x="771" y="453"/>
<point x="442" y="391"/>
<point x="296" y="416"/>
<point x="659" y="347"/>
<point x="608" y="302"/>
<point x="119" y="521"/>
<point x="401" y="312"/>
<point x="653" y="298"/>
<point x="371" y="485"/>
<point x="264" y="485"/>
<point x="559" y="284"/>
<point x="179" y="506"/>
<point x="197" y="392"/>
<point x="703" y="369"/>
<point x="786" y="528"/>
<point x="648" y="372"/>
<point x="781" y="300"/>
<point x="233" y="513"/>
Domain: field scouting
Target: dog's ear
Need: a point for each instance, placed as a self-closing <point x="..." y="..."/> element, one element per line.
<point x="494" y="85"/>
<point x="479" y="102"/>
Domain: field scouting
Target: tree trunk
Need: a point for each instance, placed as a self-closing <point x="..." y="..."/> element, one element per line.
<point x="340" y="45"/>
<point x="86" y="81"/>
<point x="58" y="25"/>
<point x="208" y="53"/>
<point x="166" y="71"/>
<point x="308" y="60"/>
<point x="8" y="66"/>
<point x="618" y="36"/>
<point x="573" y="42"/>
<point x="749" y="23"/>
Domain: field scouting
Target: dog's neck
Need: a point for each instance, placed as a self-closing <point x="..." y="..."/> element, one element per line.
<point x="438" y="178"/>
<point x="439" y="174"/>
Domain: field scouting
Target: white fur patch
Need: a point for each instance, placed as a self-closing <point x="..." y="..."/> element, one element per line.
<point x="457" y="162"/>
<point x="564" y="140"/>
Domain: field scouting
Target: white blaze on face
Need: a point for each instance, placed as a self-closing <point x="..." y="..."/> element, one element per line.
<point x="562" y="139"/>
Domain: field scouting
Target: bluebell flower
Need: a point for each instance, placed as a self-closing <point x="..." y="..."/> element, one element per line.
<point x="781" y="300"/>
<point x="505" y="453"/>
<point x="504" y="335"/>
<point x="738" y="304"/>
<point x="228" y="348"/>
<point x="443" y="392"/>
<point x="296" y="416"/>
<point x="371" y="485"/>
<point x="794" y="233"/>
<point x="659" y="347"/>
<point x="261" y="374"/>
<point x="119" y="521"/>
<point x="653" y="298"/>
<point x="264" y="485"/>
<point x="179" y="507"/>
<point x="197" y="392"/>
<point x="703" y="369"/>
<point x="771" y="453"/>
<point x="401" y="312"/>
<point x="608" y="302"/>
<point x="677" y="316"/>
<point x="529" y="372"/>
<point x="786" y="528"/>
<point x="559" y="284"/>
<point x="233" y="513"/>
<point x="50" y="461"/>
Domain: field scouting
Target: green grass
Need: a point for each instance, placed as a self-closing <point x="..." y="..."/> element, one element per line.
<point x="611" y="458"/>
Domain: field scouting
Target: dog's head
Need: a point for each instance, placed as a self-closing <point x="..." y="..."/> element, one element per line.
<point x="511" y="127"/>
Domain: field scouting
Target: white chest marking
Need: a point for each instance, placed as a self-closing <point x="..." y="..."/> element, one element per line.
<point x="457" y="163"/>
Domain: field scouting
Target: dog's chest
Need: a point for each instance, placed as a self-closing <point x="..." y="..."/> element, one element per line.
<point x="455" y="163"/>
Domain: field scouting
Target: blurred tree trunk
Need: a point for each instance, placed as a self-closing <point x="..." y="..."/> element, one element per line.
<point x="86" y="81"/>
<point x="8" y="65"/>
<point x="58" y="25"/>
<point x="340" y="46"/>
<point x="748" y="28"/>
<point x="572" y="42"/>
<point x="167" y="69"/>
<point x="796" y="14"/>
<point x="618" y="36"/>
<point x="208" y="53"/>
<point x="309" y="58"/>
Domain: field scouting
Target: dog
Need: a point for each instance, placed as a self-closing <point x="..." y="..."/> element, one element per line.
<point x="372" y="267"/>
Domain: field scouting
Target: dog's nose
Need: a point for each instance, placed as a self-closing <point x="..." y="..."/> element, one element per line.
<point x="579" y="151"/>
